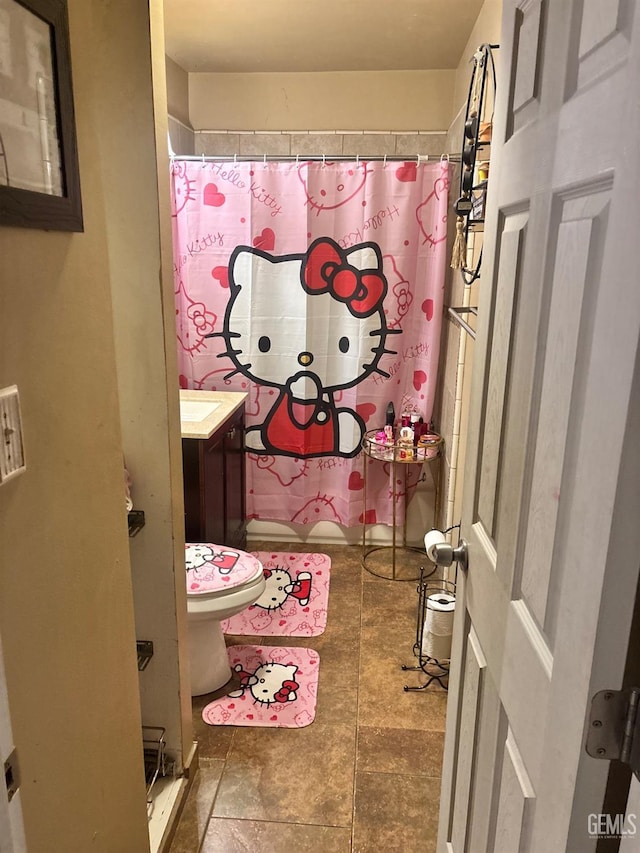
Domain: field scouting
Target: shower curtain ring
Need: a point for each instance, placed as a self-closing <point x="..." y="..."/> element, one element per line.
<point x="384" y="162"/>
<point x="264" y="160"/>
<point x="235" y="159"/>
<point x="324" y="159"/>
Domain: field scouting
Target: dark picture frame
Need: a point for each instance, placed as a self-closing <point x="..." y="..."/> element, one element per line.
<point x="44" y="192"/>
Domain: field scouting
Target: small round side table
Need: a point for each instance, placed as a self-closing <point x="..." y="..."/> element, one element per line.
<point x="402" y="455"/>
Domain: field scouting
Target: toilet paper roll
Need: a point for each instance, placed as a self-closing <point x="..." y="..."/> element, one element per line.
<point x="431" y="539"/>
<point x="438" y="626"/>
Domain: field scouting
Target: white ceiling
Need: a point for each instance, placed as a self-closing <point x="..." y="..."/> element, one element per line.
<point x="309" y="35"/>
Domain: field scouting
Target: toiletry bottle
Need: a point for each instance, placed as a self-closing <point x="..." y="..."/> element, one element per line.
<point x="418" y="428"/>
<point x="391" y="415"/>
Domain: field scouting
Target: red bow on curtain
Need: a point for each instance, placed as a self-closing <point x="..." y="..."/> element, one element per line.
<point x="326" y="268"/>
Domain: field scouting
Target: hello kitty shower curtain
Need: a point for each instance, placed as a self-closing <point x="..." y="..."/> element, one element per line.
<point x="317" y="289"/>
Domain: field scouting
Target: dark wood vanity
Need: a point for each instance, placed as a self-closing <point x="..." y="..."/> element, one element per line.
<point x="214" y="477"/>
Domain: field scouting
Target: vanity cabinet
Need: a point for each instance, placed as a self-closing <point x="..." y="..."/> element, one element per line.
<point x="214" y="485"/>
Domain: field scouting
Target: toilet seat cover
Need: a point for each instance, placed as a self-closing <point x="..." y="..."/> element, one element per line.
<point x="214" y="568"/>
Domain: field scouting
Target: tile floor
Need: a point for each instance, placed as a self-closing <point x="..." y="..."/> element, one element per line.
<point x="365" y="775"/>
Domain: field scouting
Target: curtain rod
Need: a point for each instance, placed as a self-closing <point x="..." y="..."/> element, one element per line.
<point x="328" y="158"/>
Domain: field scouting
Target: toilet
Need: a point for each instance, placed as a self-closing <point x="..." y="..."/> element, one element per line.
<point x="221" y="582"/>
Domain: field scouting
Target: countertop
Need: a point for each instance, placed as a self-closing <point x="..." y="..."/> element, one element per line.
<point x="228" y="403"/>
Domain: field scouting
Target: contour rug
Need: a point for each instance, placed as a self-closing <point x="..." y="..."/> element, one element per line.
<point x="278" y="688"/>
<point x="294" y="603"/>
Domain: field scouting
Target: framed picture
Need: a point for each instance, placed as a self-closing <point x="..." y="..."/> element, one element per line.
<point x="39" y="178"/>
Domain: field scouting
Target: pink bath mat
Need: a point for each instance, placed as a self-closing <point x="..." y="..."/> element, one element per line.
<point x="294" y="603"/>
<point x="279" y="686"/>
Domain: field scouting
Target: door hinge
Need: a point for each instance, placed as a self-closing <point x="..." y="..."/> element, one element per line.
<point x="614" y="722"/>
<point x="11" y="775"/>
<point x="145" y="653"/>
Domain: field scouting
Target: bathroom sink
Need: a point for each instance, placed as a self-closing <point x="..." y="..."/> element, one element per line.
<point x="196" y="410"/>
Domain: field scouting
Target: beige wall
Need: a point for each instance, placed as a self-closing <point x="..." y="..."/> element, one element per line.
<point x="486" y="31"/>
<point x="147" y="371"/>
<point x="177" y="89"/>
<point x="369" y="100"/>
<point x="66" y="612"/>
<point x="173" y="684"/>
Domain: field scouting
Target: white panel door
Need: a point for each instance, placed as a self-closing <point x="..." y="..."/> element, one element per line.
<point x="551" y="509"/>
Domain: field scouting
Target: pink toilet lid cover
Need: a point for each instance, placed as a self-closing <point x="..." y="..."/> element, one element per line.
<point x="211" y="568"/>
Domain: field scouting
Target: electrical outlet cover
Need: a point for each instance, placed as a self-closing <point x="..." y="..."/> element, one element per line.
<point x="12" y="460"/>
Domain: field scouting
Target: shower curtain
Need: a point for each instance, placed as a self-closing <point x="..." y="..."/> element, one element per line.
<point x="316" y="288"/>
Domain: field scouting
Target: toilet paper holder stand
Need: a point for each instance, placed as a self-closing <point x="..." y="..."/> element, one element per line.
<point x="443" y="554"/>
<point x="435" y="670"/>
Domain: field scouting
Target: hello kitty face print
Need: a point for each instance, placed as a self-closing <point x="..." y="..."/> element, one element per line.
<point x="330" y="189"/>
<point x="309" y="325"/>
<point x="183" y="188"/>
<point x="210" y="568"/>
<point x="271" y="682"/>
<point x="197" y="556"/>
<point x="280" y="586"/>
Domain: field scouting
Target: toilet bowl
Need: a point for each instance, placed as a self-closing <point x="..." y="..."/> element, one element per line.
<point x="220" y="583"/>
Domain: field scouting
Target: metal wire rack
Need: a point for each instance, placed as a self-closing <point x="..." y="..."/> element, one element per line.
<point x="435" y="670"/>
<point x="155" y="759"/>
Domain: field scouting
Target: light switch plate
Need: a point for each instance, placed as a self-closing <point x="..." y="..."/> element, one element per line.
<point x="12" y="460"/>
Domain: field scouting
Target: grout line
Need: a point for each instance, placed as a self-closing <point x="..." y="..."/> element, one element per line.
<point x="269" y="820"/>
<point x="355" y="757"/>
<point x="217" y="791"/>
<point x="318" y="132"/>
<point x="404" y="775"/>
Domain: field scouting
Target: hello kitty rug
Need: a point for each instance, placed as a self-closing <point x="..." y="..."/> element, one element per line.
<point x="278" y="688"/>
<point x="294" y="603"/>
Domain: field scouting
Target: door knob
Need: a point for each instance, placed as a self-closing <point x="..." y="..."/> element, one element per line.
<point x="445" y="554"/>
<point x="442" y="553"/>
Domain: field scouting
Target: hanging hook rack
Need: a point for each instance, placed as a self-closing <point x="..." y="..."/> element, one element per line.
<point x="472" y="197"/>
